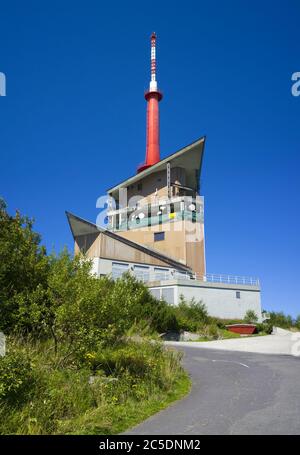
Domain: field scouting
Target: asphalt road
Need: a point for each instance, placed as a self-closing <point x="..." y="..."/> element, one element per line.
<point x="233" y="393"/>
<point x="280" y="342"/>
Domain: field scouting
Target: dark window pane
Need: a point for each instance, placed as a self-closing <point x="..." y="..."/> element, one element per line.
<point x="159" y="236"/>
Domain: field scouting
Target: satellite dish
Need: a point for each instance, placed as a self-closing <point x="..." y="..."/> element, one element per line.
<point x="192" y="207"/>
<point x="159" y="212"/>
<point x="141" y="216"/>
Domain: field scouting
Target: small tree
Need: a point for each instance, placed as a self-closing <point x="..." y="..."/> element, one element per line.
<point x="191" y="315"/>
<point x="250" y="317"/>
<point x="23" y="264"/>
<point x="279" y="319"/>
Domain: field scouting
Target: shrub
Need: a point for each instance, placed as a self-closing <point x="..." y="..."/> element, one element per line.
<point x="97" y="312"/>
<point x="65" y="325"/>
<point x="264" y="327"/>
<point x="128" y="377"/>
<point x="279" y="319"/>
<point x="191" y="315"/>
<point x="213" y="331"/>
<point x="250" y="317"/>
<point x="16" y="377"/>
<point x="221" y="323"/>
<point x="23" y="263"/>
<point x="138" y="359"/>
<point x="159" y="315"/>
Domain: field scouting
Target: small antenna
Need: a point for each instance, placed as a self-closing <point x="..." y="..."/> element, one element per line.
<point x="153" y="97"/>
<point x="153" y="83"/>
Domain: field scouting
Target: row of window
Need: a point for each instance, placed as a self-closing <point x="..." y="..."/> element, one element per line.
<point x="166" y="294"/>
<point x="142" y="272"/>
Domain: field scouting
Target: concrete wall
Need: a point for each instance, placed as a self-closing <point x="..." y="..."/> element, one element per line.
<point x="220" y="299"/>
<point x="156" y="182"/>
<point x="100" y="245"/>
<point x="184" y="242"/>
<point x="101" y="266"/>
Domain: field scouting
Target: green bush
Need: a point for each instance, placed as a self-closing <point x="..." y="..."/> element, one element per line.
<point x="279" y="319"/>
<point x="23" y="263"/>
<point x="191" y="315"/>
<point x="221" y="323"/>
<point x="264" y="327"/>
<point x="70" y="367"/>
<point x="98" y="312"/>
<point x="16" y="377"/>
<point x="127" y="381"/>
<point x="142" y="360"/>
<point x="250" y="317"/>
<point x="213" y="331"/>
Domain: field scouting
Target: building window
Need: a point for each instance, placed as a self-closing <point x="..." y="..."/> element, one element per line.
<point x="238" y="294"/>
<point x="141" y="272"/>
<point x="167" y="294"/>
<point x="155" y="292"/>
<point x="139" y="186"/>
<point x="160" y="274"/>
<point x="118" y="268"/>
<point x="158" y="236"/>
<point x="181" y="275"/>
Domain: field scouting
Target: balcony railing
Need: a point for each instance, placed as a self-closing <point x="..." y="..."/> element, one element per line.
<point x="147" y="276"/>
<point x="231" y="279"/>
<point x="158" y="219"/>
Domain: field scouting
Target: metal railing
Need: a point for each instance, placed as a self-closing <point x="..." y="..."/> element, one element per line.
<point x="231" y="279"/>
<point x="149" y="276"/>
<point x="155" y="220"/>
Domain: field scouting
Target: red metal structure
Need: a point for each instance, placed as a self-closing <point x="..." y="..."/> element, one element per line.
<point x="152" y="96"/>
<point x="243" y="329"/>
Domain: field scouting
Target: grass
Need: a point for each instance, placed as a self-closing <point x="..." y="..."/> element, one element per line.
<point x="131" y="381"/>
<point x="127" y="415"/>
<point x="227" y="335"/>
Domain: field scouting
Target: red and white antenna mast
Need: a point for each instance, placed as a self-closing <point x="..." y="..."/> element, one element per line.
<point x="152" y="96"/>
<point x="153" y="83"/>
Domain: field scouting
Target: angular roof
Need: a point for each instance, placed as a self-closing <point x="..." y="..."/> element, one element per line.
<point x="80" y="227"/>
<point x="189" y="157"/>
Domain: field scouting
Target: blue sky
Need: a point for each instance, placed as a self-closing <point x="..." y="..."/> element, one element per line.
<point x="73" y="121"/>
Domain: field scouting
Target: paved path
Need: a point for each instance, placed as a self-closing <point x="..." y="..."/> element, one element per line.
<point x="233" y="393"/>
<point x="281" y="342"/>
